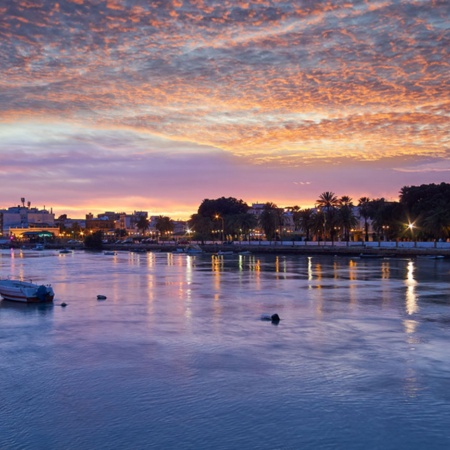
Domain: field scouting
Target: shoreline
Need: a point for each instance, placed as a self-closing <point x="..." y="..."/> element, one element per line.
<point x="275" y="249"/>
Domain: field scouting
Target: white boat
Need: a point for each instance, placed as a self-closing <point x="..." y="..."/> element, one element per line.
<point x="26" y="292"/>
<point x="225" y="253"/>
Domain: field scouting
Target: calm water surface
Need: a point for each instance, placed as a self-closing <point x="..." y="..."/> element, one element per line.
<point x="178" y="358"/>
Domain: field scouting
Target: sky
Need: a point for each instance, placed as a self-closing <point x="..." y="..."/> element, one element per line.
<point x="155" y="105"/>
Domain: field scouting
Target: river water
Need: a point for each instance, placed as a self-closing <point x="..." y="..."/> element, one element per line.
<point x="177" y="356"/>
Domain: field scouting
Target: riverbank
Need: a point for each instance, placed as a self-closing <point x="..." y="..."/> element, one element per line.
<point x="277" y="249"/>
<point x="274" y="249"/>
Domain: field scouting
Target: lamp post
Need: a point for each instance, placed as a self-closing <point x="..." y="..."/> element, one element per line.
<point x="411" y="228"/>
<point x="217" y="216"/>
<point x="385" y="231"/>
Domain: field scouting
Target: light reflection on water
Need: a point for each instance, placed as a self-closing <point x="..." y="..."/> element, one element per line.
<point x="177" y="356"/>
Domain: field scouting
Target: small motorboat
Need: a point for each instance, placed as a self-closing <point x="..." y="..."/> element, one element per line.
<point x="371" y="256"/>
<point x="225" y="253"/>
<point x="193" y="249"/>
<point x="65" y="250"/>
<point x="110" y="253"/>
<point x="26" y="291"/>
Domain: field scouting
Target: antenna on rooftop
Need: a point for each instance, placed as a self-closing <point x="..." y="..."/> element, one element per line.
<point x="22" y="199"/>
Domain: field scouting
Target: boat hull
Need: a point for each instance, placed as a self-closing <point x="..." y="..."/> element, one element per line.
<point x="23" y="292"/>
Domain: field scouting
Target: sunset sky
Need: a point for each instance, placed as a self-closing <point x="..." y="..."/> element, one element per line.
<point x="155" y="105"/>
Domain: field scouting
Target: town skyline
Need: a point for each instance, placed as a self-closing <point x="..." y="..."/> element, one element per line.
<point x="159" y="105"/>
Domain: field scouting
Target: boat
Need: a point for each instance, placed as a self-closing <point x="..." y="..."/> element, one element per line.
<point x="193" y="249"/>
<point x="370" y="256"/>
<point x="65" y="250"/>
<point x="26" y="291"/>
<point x="225" y="253"/>
<point x="39" y="247"/>
<point x="110" y="253"/>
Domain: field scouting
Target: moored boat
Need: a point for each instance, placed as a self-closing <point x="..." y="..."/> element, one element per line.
<point x="371" y="256"/>
<point x="225" y="253"/>
<point x="26" y="291"/>
<point x="193" y="249"/>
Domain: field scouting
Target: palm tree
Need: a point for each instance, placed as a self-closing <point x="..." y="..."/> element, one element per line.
<point x="269" y="220"/>
<point x="364" y="212"/>
<point x="438" y="223"/>
<point x="318" y="220"/>
<point x="347" y="221"/>
<point x="306" y="221"/>
<point x="164" y="225"/>
<point x="346" y="217"/>
<point x="142" y="224"/>
<point x="244" y="223"/>
<point x="329" y="202"/>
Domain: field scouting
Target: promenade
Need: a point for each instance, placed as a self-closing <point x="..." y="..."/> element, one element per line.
<point x="382" y="249"/>
<point x="391" y="249"/>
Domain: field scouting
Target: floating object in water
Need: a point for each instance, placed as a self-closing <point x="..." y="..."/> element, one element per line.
<point x="101" y="297"/>
<point x="274" y="318"/>
<point x="63" y="304"/>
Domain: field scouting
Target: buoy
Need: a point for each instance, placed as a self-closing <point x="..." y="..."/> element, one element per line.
<point x="63" y="304"/>
<point x="101" y="297"/>
<point x="275" y="318"/>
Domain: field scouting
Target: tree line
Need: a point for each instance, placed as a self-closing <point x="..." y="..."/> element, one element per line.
<point x="422" y="213"/>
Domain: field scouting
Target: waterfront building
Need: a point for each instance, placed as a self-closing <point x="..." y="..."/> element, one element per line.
<point x="15" y="219"/>
<point x="103" y="222"/>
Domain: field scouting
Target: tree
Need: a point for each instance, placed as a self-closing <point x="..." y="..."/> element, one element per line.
<point x="243" y="224"/>
<point x="346" y="217"/>
<point x="269" y="220"/>
<point x="437" y="224"/>
<point x="94" y="241"/>
<point x="164" y="225"/>
<point x="223" y="207"/>
<point x="306" y="221"/>
<point x="221" y="210"/>
<point x="201" y="227"/>
<point x="364" y="212"/>
<point x="76" y="230"/>
<point x="328" y="202"/>
<point x="142" y="224"/>
<point x="388" y="218"/>
<point x="426" y="207"/>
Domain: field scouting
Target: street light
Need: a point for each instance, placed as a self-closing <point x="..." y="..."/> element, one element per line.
<point x="217" y="216"/>
<point x="411" y="227"/>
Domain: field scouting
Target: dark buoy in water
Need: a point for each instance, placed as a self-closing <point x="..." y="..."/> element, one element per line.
<point x="101" y="297"/>
<point x="275" y="318"/>
<point x="63" y="304"/>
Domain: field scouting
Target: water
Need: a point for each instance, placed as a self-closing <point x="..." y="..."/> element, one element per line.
<point x="178" y="358"/>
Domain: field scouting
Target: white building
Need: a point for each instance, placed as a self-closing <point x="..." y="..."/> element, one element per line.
<point x="25" y="217"/>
